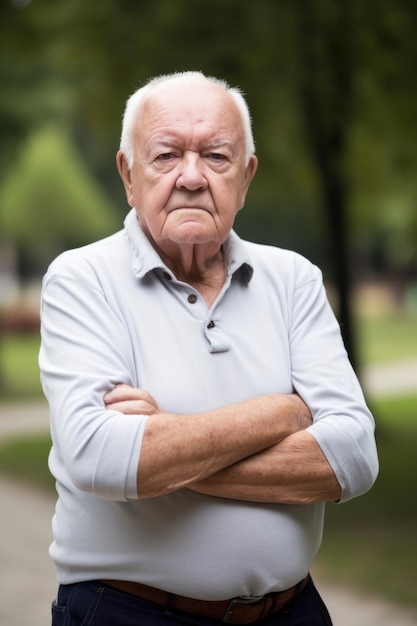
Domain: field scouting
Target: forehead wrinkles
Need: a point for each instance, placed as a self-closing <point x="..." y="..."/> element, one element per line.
<point x="202" y="115"/>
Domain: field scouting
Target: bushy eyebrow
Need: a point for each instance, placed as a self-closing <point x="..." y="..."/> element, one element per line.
<point x="218" y="145"/>
<point x="157" y="144"/>
<point x="172" y="143"/>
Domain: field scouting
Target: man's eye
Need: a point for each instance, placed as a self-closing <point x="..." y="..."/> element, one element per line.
<point x="216" y="156"/>
<point x="166" y="156"/>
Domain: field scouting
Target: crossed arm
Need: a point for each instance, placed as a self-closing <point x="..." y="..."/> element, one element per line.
<point x="257" y="450"/>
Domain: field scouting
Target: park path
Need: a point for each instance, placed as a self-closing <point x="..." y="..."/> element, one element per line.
<point x="27" y="576"/>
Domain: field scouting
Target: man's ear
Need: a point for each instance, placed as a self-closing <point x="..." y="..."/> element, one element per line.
<point x="124" y="172"/>
<point x="250" y="172"/>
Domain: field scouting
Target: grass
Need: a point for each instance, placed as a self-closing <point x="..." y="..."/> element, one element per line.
<point x="19" y="367"/>
<point x="388" y="337"/>
<point x="369" y="542"/>
<point x="26" y="458"/>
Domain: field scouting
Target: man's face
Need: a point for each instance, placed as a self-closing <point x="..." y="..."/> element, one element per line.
<point x="189" y="176"/>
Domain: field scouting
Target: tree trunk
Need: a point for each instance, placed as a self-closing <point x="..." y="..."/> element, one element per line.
<point x="325" y="91"/>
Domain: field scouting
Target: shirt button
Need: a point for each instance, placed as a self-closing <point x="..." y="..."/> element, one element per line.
<point x="192" y="298"/>
<point x="211" y="324"/>
<point x="167" y="276"/>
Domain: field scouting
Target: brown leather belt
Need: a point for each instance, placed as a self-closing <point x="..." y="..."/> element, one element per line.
<point x="242" y="610"/>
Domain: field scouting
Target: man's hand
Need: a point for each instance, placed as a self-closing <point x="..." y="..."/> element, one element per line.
<point x="294" y="471"/>
<point x="135" y="400"/>
<point x="184" y="450"/>
<point x="131" y="401"/>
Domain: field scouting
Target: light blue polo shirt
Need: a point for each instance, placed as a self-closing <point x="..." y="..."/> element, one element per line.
<point x="112" y="313"/>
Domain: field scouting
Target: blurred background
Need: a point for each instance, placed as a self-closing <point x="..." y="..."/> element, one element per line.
<point x="331" y="87"/>
<point x="332" y="90"/>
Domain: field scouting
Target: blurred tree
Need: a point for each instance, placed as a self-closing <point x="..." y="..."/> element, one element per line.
<point x="382" y="158"/>
<point x="50" y="203"/>
<point x="31" y="93"/>
<point x="330" y="84"/>
<point x="326" y="41"/>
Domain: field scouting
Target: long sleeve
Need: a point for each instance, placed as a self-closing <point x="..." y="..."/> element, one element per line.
<point x="85" y="351"/>
<point x="323" y="376"/>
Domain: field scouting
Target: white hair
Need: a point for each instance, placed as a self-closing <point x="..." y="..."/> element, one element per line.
<point x="136" y="100"/>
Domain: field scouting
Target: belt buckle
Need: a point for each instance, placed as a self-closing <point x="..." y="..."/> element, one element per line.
<point x="240" y="600"/>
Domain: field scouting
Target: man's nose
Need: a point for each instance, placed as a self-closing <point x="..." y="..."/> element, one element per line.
<point x="191" y="176"/>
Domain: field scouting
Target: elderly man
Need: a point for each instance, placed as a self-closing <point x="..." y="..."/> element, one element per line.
<point x="203" y="408"/>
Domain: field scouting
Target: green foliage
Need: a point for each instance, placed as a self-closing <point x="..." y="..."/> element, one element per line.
<point x="399" y="225"/>
<point x="77" y="62"/>
<point x="50" y="202"/>
<point x="31" y="94"/>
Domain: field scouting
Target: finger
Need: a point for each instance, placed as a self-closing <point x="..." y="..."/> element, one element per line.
<point x="125" y="392"/>
<point x="133" y="407"/>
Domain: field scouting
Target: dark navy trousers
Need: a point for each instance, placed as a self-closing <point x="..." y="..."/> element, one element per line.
<point x="95" y="604"/>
